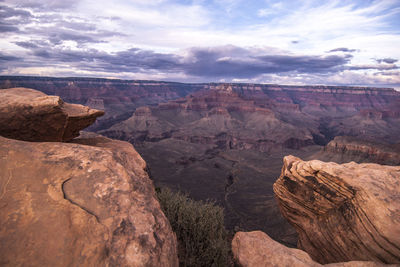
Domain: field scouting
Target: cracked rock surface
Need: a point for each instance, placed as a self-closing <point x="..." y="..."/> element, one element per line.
<point x="88" y="203"/>
<point x="342" y="212"/>
<point x="30" y="115"/>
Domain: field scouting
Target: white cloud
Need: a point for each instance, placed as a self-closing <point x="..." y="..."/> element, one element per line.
<point x="169" y="26"/>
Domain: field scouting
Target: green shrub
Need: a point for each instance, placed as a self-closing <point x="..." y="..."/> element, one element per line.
<point x="199" y="227"/>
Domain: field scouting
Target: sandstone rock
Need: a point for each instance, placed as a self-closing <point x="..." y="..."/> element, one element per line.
<point x="342" y="212"/>
<point x="257" y="249"/>
<point x="27" y="114"/>
<point x="88" y="203"/>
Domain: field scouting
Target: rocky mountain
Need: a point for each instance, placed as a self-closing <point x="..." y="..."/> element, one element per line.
<point x="342" y="212"/>
<point x="88" y="202"/>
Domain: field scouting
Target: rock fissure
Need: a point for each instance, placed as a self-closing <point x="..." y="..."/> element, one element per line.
<point x="76" y="204"/>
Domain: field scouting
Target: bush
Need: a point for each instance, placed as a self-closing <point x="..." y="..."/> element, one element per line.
<point x="199" y="227"/>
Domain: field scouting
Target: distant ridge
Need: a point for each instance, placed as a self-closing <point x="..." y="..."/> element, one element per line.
<point x="93" y="79"/>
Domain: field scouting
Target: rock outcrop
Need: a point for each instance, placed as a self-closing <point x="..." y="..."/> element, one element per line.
<point x="257" y="249"/>
<point x="344" y="149"/>
<point x="342" y="212"/>
<point x="88" y="202"/>
<point x="30" y="115"/>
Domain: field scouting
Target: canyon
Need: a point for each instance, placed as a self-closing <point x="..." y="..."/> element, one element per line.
<point x="226" y="141"/>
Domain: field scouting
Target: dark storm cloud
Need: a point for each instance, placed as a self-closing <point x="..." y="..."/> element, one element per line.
<point x="217" y="62"/>
<point x="386" y="60"/>
<point x="244" y="64"/>
<point x="342" y="49"/>
<point x="132" y="60"/>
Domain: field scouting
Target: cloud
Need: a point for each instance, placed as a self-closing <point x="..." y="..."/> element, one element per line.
<point x="10" y="18"/>
<point x="386" y="60"/>
<point x="4" y="58"/>
<point x="236" y="62"/>
<point x="189" y="39"/>
<point x="8" y="28"/>
<point x="374" y="67"/>
<point x="342" y="49"/>
<point x="46" y="5"/>
<point x="207" y="62"/>
<point x="8" y="12"/>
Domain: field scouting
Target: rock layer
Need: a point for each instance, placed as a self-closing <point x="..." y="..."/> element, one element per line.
<point x="257" y="249"/>
<point x="342" y="212"/>
<point x="30" y="115"/>
<point x="86" y="204"/>
<point x="346" y="148"/>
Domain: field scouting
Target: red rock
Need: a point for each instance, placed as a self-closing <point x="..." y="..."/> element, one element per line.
<point x="30" y="115"/>
<point x="257" y="249"/>
<point x="89" y="203"/>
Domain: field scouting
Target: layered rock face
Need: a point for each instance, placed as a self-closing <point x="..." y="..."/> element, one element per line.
<point x="89" y="202"/>
<point x="30" y="115"/>
<point x="217" y="117"/>
<point x="118" y="98"/>
<point x="329" y="110"/>
<point x="257" y="249"/>
<point x="342" y="212"/>
<point x="110" y="91"/>
<point x="346" y="148"/>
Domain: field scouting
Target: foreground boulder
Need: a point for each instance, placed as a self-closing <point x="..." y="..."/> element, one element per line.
<point x="88" y="203"/>
<point x="342" y="212"/>
<point x="30" y="115"/>
<point x="257" y="249"/>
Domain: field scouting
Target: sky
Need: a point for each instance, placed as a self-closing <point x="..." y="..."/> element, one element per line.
<point x="266" y="41"/>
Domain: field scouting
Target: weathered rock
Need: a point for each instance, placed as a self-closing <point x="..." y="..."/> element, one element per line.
<point x="257" y="249"/>
<point x="342" y="212"/>
<point x="30" y="115"/>
<point x="86" y="204"/>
